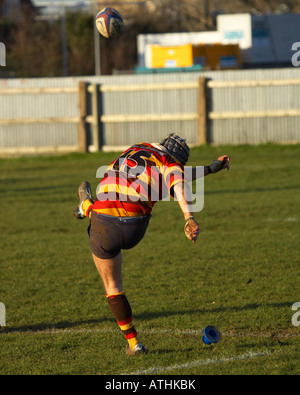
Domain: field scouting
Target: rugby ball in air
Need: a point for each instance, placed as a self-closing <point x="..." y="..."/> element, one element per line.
<point x="109" y="22"/>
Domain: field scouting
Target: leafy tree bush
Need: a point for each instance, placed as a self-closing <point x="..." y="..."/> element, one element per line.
<point x="34" y="46"/>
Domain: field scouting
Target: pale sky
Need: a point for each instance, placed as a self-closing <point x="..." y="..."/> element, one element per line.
<point x="55" y="4"/>
<point x="59" y="2"/>
<point x="37" y="2"/>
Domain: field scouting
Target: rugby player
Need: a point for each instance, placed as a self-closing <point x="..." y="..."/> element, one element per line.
<point x="119" y="216"/>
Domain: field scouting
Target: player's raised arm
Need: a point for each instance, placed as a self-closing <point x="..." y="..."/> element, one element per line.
<point x="217" y="165"/>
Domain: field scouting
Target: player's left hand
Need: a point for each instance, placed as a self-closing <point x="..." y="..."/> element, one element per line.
<point x="191" y="229"/>
<point x="219" y="164"/>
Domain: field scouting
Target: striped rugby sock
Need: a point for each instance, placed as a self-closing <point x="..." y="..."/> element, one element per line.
<point x="121" y="310"/>
<point x="86" y="206"/>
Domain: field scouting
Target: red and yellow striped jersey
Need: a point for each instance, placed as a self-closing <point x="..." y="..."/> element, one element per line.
<point x="136" y="180"/>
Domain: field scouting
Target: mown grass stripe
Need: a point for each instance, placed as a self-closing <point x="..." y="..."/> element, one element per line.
<point x="179" y="332"/>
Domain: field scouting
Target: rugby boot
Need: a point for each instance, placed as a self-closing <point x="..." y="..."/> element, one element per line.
<point x="84" y="192"/>
<point x="137" y="350"/>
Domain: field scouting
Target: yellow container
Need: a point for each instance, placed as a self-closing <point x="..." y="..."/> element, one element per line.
<point x="175" y="56"/>
<point x="218" y="57"/>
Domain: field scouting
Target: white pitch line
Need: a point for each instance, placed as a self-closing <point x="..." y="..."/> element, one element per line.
<point x="201" y="362"/>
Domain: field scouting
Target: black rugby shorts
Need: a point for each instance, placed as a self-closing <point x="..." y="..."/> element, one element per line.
<point x="109" y="235"/>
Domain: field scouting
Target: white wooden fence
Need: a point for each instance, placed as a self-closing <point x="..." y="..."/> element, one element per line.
<point x="92" y="115"/>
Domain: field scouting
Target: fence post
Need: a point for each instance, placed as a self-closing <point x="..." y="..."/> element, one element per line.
<point x="82" y="129"/>
<point x="202" y="111"/>
<point x="96" y="119"/>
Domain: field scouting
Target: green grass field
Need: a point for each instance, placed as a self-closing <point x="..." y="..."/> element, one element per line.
<point x="241" y="276"/>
